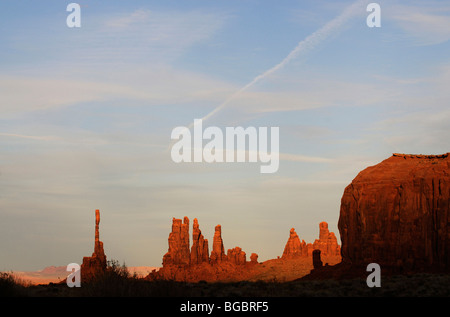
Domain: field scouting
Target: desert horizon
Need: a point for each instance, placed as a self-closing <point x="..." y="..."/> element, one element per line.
<point x="323" y="268"/>
<point x="58" y="274"/>
<point x="194" y="261"/>
<point x="242" y="148"/>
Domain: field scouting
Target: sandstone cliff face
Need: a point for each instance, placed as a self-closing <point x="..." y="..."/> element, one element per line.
<point x="397" y="213"/>
<point x="96" y="264"/>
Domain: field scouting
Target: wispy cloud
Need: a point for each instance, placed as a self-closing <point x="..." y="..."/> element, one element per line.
<point x="304" y="158"/>
<point x="221" y="152"/>
<point x="31" y="137"/>
<point x="152" y="86"/>
<point x="419" y="123"/>
<point x="312" y="93"/>
<point x="137" y="17"/>
<point x="424" y="25"/>
<point x="143" y="35"/>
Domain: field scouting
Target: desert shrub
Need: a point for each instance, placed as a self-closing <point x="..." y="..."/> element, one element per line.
<point x="116" y="281"/>
<point x="11" y="285"/>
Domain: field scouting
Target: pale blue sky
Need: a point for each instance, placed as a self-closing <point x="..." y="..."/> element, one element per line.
<point x="86" y="116"/>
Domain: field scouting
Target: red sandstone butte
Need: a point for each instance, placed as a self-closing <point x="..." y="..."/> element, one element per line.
<point x="96" y="264"/>
<point x="397" y="214"/>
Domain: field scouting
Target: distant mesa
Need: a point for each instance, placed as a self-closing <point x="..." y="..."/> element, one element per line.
<point x="397" y="214"/>
<point x="58" y="274"/>
<point x="96" y="264"/>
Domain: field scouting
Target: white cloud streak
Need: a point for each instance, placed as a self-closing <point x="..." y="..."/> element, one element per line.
<point x="137" y="17"/>
<point x="304" y="47"/>
<point x="31" y="137"/>
<point x="221" y="152"/>
<point x="154" y="86"/>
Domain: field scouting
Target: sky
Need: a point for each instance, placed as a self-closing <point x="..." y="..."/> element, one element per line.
<point x="86" y="116"/>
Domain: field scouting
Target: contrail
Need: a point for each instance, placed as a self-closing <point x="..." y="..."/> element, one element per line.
<point x="304" y="46"/>
<point x="32" y="137"/>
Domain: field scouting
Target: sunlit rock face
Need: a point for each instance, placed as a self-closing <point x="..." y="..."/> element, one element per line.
<point x="327" y="244"/>
<point x="397" y="213"/>
<point x="195" y="264"/>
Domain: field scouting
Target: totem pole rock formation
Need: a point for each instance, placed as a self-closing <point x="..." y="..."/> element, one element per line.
<point x="182" y="264"/>
<point x="327" y="244"/>
<point x="254" y="258"/>
<point x="218" y="252"/>
<point x="294" y="248"/>
<point x="236" y="256"/>
<point x="178" y="243"/>
<point x="397" y="214"/>
<point x="199" y="250"/>
<point x="96" y="264"/>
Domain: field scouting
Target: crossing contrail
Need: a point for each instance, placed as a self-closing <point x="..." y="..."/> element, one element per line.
<point x="303" y="47"/>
